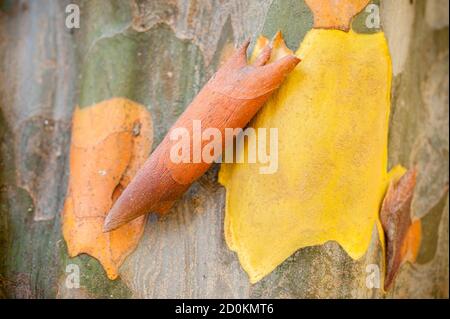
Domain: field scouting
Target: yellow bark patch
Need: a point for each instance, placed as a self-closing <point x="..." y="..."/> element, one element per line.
<point x="110" y="141"/>
<point x="332" y="118"/>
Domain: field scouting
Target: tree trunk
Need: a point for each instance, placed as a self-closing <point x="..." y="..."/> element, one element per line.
<point x="159" y="54"/>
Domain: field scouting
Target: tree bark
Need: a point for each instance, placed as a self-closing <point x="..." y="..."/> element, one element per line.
<point x="160" y="53"/>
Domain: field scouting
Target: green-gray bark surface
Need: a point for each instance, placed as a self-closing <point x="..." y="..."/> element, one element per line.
<point x="160" y="53"/>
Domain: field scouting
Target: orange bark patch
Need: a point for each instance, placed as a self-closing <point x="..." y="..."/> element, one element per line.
<point x="335" y="14"/>
<point x="110" y="141"/>
<point x="411" y="245"/>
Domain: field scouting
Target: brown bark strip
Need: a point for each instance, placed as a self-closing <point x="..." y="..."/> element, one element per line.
<point x="403" y="235"/>
<point x="229" y="100"/>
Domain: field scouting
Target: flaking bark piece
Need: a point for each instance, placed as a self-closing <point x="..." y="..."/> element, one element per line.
<point x="401" y="232"/>
<point x="331" y="167"/>
<point x="230" y="99"/>
<point x="110" y="141"/>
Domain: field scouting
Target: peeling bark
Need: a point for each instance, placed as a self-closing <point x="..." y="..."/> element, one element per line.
<point x="159" y="54"/>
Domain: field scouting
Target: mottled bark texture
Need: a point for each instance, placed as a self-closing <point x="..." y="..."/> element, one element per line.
<point x="159" y="54"/>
